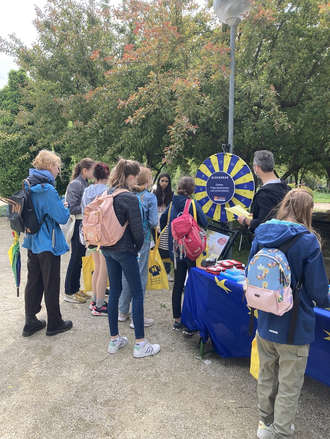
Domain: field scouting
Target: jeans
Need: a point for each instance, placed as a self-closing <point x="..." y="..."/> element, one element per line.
<point x="126" y="295"/>
<point x="72" y="278"/>
<point x="281" y="377"/>
<point x="43" y="279"/>
<point x="182" y="266"/>
<point x="119" y="263"/>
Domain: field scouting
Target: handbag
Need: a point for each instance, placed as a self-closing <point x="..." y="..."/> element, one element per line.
<point x="163" y="236"/>
<point x="68" y="228"/>
<point x="157" y="277"/>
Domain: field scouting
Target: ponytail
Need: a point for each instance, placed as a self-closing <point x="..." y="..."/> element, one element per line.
<point x="121" y="171"/>
<point x="85" y="163"/>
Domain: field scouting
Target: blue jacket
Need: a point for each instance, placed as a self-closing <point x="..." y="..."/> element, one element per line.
<point x="306" y="263"/>
<point x="50" y="212"/>
<point x="178" y="203"/>
<point x="91" y="192"/>
<point x="149" y="204"/>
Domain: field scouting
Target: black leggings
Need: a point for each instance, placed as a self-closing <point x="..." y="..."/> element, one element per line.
<point x="182" y="266"/>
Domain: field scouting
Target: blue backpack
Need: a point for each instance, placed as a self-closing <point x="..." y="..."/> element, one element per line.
<point x="269" y="284"/>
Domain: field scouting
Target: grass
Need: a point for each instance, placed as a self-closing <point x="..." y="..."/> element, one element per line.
<point x="321" y="197"/>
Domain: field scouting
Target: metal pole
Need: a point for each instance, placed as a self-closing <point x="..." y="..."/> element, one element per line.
<point x="232" y="87"/>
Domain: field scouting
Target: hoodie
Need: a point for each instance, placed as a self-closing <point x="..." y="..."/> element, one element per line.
<point x="265" y="201"/>
<point x="178" y="204"/>
<point x="306" y="263"/>
<point x="50" y="212"/>
<point x="90" y="193"/>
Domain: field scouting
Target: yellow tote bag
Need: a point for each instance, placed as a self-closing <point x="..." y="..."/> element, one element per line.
<point x="157" y="277"/>
<point x="254" y="360"/>
<point x="87" y="272"/>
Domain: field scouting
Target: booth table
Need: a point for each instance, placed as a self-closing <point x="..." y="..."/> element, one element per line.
<point x="216" y="307"/>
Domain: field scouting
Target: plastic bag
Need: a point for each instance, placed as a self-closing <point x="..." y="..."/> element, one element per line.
<point x="157" y="277"/>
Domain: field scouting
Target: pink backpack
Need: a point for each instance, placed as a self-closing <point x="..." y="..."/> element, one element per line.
<point x="188" y="237"/>
<point x="100" y="224"/>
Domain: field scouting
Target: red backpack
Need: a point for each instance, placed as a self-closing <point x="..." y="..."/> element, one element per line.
<point x="188" y="237"/>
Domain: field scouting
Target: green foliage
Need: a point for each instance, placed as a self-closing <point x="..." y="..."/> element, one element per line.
<point x="150" y="81"/>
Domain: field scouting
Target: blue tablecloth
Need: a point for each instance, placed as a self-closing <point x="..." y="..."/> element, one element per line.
<point x="217" y="309"/>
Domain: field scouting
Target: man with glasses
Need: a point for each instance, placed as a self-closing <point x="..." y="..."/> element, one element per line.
<point x="269" y="195"/>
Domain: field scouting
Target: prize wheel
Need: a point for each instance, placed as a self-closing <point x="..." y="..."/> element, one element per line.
<point x="223" y="180"/>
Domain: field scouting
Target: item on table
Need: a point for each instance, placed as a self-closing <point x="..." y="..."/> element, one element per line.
<point x="230" y="263"/>
<point x="234" y="274"/>
<point x="208" y="262"/>
<point x="216" y="269"/>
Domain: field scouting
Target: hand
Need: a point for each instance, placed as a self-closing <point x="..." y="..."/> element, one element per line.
<point x="245" y="221"/>
<point x="66" y="204"/>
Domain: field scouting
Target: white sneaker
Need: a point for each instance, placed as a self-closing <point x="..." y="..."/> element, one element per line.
<point x="145" y="350"/>
<point x="122" y="317"/>
<point x="265" y="431"/>
<point x="117" y="344"/>
<point x="147" y="323"/>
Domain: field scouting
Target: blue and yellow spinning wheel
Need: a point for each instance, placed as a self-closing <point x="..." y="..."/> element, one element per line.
<point x="223" y="180"/>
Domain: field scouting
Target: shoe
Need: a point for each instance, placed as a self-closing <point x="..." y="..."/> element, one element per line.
<point x="102" y="311"/>
<point x="74" y="298"/>
<point x="145" y="350"/>
<point x="32" y="326"/>
<point x="122" y="317"/>
<point x="147" y="323"/>
<point x="84" y="295"/>
<point x="91" y="305"/>
<point x="188" y="332"/>
<point x="117" y="344"/>
<point x="107" y="291"/>
<point x="265" y="431"/>
<point x="66" y="325"/>
<point x="177" y="326"/>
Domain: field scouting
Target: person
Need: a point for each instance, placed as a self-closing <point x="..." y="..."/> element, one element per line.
<point x="282" y="365"/>
<point x="164" y="196"/>
<point x="186" y="187"/>
<point x="148" y="205"/>
<point x="269" y="195"/>
<point x="82" y="172"/>
<point x="98" y="306"/>
<point x="45" y="248"/>
<point x="163" y="192"/>
<point x="122" y="258"/>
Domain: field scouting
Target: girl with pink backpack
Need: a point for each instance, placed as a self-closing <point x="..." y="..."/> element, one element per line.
<point x="121" y="257"/>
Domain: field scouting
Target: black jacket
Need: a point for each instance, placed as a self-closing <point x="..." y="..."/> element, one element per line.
<point x="126" y="206"/>
<point x="265" y="202"/>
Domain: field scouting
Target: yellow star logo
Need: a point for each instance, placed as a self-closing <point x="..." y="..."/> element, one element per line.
<point x="221" y="284"/>
<point x="328" y="333"/>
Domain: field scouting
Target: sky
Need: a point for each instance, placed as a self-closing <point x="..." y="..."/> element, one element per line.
<point x="17" y="17"/>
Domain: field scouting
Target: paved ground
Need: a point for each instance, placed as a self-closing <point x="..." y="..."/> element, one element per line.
<point x="68" y="386"/>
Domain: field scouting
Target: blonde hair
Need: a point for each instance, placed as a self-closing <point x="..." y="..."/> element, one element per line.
<point x="143" y="180"/>
<point x="121" y="171"/>
<point x="298" y="205"/>
<point x="46" y="159"/>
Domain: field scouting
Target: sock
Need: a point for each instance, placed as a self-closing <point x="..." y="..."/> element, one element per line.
<point x="140" y="343"/>
<point x="99" y="303"/>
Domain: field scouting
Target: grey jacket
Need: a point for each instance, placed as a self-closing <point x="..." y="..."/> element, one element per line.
<point x="74" y="194"/>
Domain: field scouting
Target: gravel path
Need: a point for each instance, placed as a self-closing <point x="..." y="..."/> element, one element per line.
<point x="68" y="386"/>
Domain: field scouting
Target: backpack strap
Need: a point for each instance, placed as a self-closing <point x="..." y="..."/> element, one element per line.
<point x="187" y="205"/>
<point x="194" y="210"/>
